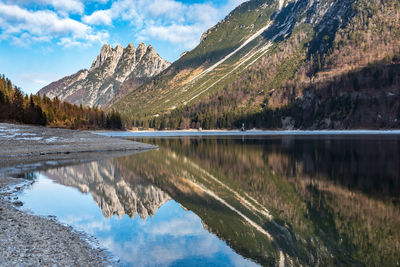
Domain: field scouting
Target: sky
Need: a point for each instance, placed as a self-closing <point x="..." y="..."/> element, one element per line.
<point x="42" y="41"/>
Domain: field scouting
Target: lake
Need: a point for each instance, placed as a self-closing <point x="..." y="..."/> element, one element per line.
<point x="236" y="200"/>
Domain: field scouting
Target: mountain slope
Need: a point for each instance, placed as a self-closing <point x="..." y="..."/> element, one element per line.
<point x="102" y="84"/>
<point x="283" y="64"/>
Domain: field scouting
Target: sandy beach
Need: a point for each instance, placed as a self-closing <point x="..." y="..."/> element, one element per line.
<point x="29" y="240"/>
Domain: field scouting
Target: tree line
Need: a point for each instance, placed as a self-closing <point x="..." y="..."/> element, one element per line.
<point x="15" y="106"/>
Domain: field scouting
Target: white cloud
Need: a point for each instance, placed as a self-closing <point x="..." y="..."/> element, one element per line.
<point x="164" y="20"/>
<point x="23" y="27"/>
<point x="168" y="8"/>
<point x="61" y="6"/>
<point x="186" y="35"/>
<point x="152" y="242"/>
<point x="184" y="226"/>
<point x="25" y="39"/>
<point x="99" y="37"/>
<point x="73" y="6"/>
<point x="171" y="21"/>
<point x="101" y="17"/>
<point x="68" y="42"/>
<point x="37" y="22"/>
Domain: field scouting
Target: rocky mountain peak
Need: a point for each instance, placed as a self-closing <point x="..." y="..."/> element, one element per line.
<point x="150" y="50"/>
<point x="105" y="49"/>
<point x="102" y="57"/>
<point x="148" y="61"/>
<point x="140" y="51"/>
<point x="109" y="71"/>
<point x="107" y="53"/>
<point x="130" y="47"/>
<point x="126" y="64"/>
<point x="142" y="45"/>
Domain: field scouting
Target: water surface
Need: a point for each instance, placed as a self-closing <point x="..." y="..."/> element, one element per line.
<point x="236" y="201"/>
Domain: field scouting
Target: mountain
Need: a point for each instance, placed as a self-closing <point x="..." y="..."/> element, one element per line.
<point x="104" y="82"/>
<point x="283" y="64"/>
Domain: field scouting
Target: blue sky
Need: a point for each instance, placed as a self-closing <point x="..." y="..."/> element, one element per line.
<point x="44" y="40"/>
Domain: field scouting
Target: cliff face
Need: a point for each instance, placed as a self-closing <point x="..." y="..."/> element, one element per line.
<point x="100" y="85"/>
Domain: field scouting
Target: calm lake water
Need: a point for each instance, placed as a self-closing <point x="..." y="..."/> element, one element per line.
<point x="236" y="201"/>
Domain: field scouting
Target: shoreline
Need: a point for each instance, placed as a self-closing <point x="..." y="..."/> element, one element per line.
<point x="36" y="146"/>
<point x="253" y="132"/>
<point x="31" y="240"/>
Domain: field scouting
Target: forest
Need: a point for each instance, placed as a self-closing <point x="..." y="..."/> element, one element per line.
<point x="15" y="106"/>
<point x="341" y="79"/>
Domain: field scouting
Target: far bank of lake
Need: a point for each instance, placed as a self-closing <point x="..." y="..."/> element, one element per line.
<point x="183" y="133"/>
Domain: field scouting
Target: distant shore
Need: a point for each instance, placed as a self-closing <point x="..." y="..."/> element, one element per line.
<point x="252" y="132"/>
<point x="29" y="240"/>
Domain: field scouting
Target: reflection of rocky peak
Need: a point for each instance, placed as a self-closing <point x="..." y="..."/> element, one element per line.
<point x="104" y="180"/>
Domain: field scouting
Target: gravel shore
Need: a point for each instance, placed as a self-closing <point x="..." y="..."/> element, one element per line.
<point x="29" y="240"/>
<point x="30" y="147"/>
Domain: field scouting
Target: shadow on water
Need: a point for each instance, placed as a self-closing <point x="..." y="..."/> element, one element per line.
<point x="307" y="200"/>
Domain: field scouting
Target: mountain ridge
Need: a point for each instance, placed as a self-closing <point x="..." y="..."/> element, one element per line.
<point x="100" y="85"/>
<point x="281" y="76"/>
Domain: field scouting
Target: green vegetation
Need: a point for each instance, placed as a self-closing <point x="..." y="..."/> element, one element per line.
<point x="325" y="74"/>
<point x="219" y="41"/>
<point x="34" y="109"/>
<point x="173" y="88"/>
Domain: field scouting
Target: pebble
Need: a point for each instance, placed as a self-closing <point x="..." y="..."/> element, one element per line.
<point x="29" y="240"/>
<point x="18" y="203"/>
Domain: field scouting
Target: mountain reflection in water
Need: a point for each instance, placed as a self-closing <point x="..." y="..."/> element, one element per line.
<point x="115" y="190"/>
<point x="294" y="200"/>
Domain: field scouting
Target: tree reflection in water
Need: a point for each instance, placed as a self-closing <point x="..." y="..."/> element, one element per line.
<point x="333" y="200"/>
<point x="304" y="200"/>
